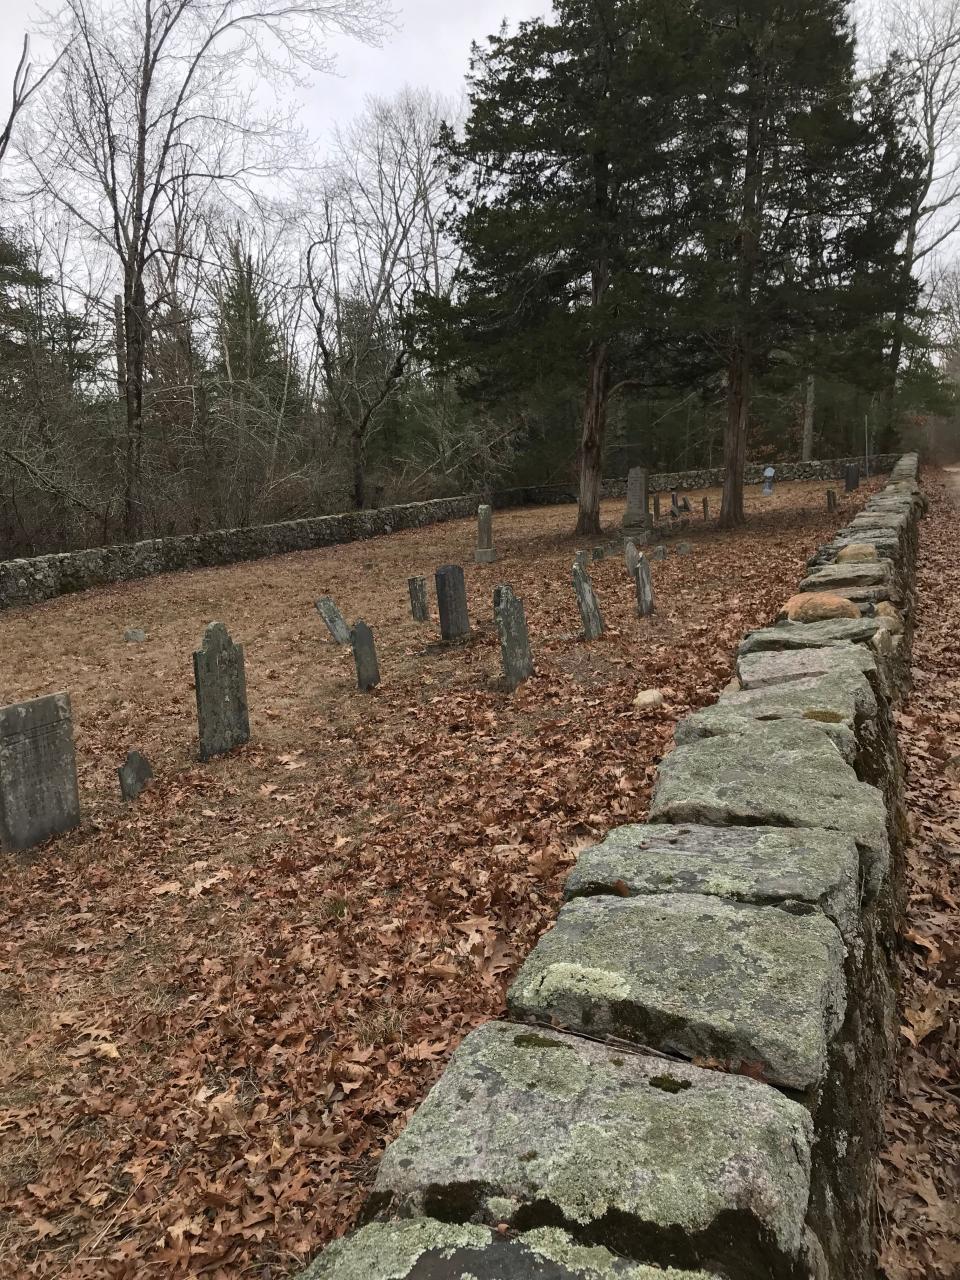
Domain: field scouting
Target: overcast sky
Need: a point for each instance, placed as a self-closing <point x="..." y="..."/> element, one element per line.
<point x="431" y="48"/>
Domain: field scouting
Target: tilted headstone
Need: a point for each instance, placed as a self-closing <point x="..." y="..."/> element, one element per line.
<point x="221" y="686"/>
<point x="590" y="614"/>
<point x="674" y="505"/>
<point x="637" y="515"/>
<point x="706" y="508"/>
<point x="631" y="556"/>
<point x="452" y="602"/>
<point x="419" y="604"/>
<point x="831" y="499"/>
<point x="656" y="508"/>
<point x="365" y="656"/>
<point x="685" y="505"/>
<point x="485" y="553"/>
<point x="514" y="637"/>
<point x="644" y="585"/>
<point x="851" y="477"/>
<point x="134" y="774"/>
<point x="38" y="772"/>
<point x="334" y="619"/>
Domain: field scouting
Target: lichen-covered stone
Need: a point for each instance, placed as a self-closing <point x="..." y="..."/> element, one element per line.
<point x="811" y="635"/>
<point x="694" y="975"/>
<point x="760" y="670"/>
<point x="424" y="1249"/>
<point x="767" y="866"/>
<point x="833" y="715"/>
<point x="774" y="773"/>
<point x="658" y="1160"/>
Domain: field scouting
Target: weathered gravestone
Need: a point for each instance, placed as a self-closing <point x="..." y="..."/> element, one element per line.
<point x="334" y="619"/>
<point x="419" y="605"/>
<point x="683" y="549"/>
<point x="485" y="553"/>
<point x="831" y="500"/>
<point x="582" y="558"/>
<point x="365" y="656"/>
<point x="851" y="477"/>
<point x="514" y="637"/>
<point x="221" y="685"/>
<point x="637" y="515"/>
<point x="659" y="552"/>
<point x="134" y="635"/>
<point x="631" y="557"/>
<point x="769" y="475"/>
<point x="706" y="508"/>
<point x="644" y="584"/>
<point x="590" y="614"/>
<point x="38" y="772"/>
<point x="656" y="508"/>
<point x="134" y="774"/>
<point x="452" y="602"/>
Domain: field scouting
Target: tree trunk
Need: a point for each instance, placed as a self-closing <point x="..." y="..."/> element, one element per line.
<point x="809" y="403"/>
<point x="591" y="441"/>
<point x="888" y="413"/>
<point x="735" y="437"/>
<point x="359" y="469"/>
<point x="120" y="344"/>
<point x="134" y="325"/>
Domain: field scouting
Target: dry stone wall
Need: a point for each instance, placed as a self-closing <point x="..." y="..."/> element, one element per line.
<point x="689" y="1080"/>
<point x="29" y="581"/>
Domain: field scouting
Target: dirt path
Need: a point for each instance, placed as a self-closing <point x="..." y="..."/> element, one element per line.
<point x="920" y="1173"/>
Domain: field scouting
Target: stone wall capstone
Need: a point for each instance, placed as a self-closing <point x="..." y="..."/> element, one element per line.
<point x="690" y="1077"/>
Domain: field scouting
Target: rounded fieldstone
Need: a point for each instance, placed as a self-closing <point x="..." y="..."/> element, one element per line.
<point x="857" y="551"/>
<point x="817" y="606"/>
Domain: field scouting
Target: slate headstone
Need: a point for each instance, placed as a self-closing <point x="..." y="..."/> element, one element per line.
<point x="659" y="552"/>
<point x="452" y="602"/>
<point x="831" y="500"/>
<point x="637" y="514"/>
<point x="685" y="505"/>
<point x="419" y="604"/>
<point x="675" y="505"/>
<point x="631" y="556"/>
<point x="590" y="614"/>
<point x="656" y="508"/>
<point x="38" y="772"/>
<point x="134" y="774"/>
<point x="514" y="637"/>
<point x="485" y="553"/>
<point x="597" y="553"/>
<point x="706" y="508"/>
<point x="334" y="619"/>
<point x="221" y="686"/>
<point x="644" y="584"/>
<point x="365" y="656"/>
<point x="851" y="477"/>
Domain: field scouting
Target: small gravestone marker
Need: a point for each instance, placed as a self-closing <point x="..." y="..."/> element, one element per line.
<point x="582" y="558"/>
<point x="631" y="556"/>
<point x="134" y="635"/>
<point x="706" y="508"/>
<point x="659" y="552"/>
<point x="334" y="620"/>
<point x="685" y="505"/>
<point x="419" y="605"/>
<point x="597" y="553"/>
<point x="851" y="477"/>
<point x="134" y="774"/>
<point x="684" y="548"/>
<point x="656" y="508"/>
<point x="365" y="656"/>
<point x="590" y="614"/>
<point x="769" y="475"/>
<point x="485" y="553"/>
<point x="674" y="505"/>
<point x="221" y="686"/>
<point x="452" y="602"/>
<point x="644" y="585"/>
<point x="831" y="500"/>
<point x="637" y="515"/>
<point x="38" y="772"/>
<point x="514" y="637"/>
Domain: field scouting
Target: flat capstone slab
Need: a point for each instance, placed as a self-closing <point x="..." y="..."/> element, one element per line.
<point x="798" y="871"/>
<point x="725" y="719"/>
<point x="660" y="1161"/>
<point x="810" y="635"/>
<point x="781" y="773"/>
<point x="849" y="574"/>
<point x="424" y="1249"/>
<point x="694" y="975"/>
<point x="839" y="697"/>
<point x="761" y="670"/>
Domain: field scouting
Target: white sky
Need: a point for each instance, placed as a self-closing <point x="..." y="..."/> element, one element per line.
<point x="431" y="49"/>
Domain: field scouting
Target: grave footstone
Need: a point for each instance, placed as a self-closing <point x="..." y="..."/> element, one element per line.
<point x="365" y="656"/>
<point x="684" y="548"/>
<point x="831" y="500"/>
<point x="631" y="556"/>
<point x="419" y="604"/>
<point x="134" y="635"/>
<point x="851" y="477"/>
<point x="644" y="584"/>
<point x="659" y="552"/>
<point x="452" y="602"/>
<point x="221" y="687"/>
<point x="334" y="619"/>
<point x="485" y="553"/>
<point x="637" y="515"/>
<point x="134" y="774"/>
<point x="598" y="553"/>
<point x="590" y="614"/>
<point x="38" y="772"/>
<point x="514" y="637"/>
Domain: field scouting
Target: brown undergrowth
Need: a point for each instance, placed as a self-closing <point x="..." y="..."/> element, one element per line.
<point x="218" y="1005"/>
<point x="920" y="1168"/>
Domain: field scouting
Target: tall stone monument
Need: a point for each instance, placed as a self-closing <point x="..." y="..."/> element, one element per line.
<point x="38" y="772"/>
<point x="221" y="685"/>
<point x="514" y="637"/>
<point x="636" y="518"/>
<point x="484" y="553"/>
<point x="452" y="603"/>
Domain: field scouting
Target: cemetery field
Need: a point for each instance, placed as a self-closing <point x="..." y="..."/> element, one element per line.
<point x="218" y="1003"/>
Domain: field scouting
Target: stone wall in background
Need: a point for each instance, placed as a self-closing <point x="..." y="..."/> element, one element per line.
<point x="28" y="581"/>
<point x="692" y="1068"/>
